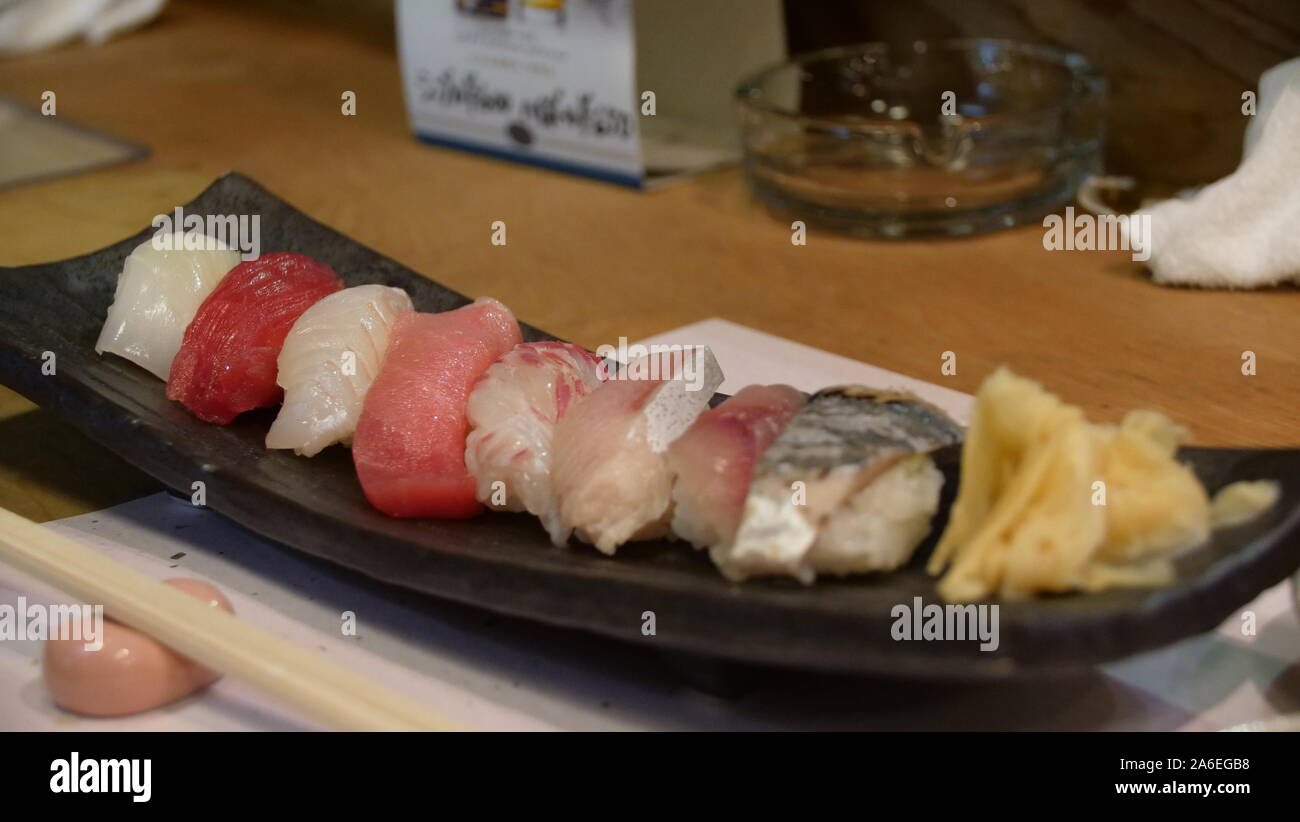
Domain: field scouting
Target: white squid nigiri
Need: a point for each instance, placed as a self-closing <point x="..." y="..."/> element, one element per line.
<point x="611" y="475"/>
<point x="513" y="412"/>
<point x="158" y="292"/>
<point x="327" y="364"/>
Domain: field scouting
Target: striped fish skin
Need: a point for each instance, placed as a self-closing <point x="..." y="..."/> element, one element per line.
<point x="855" y="425"/>
<point x="841" y="442"/>
<point x="327" y="364"/>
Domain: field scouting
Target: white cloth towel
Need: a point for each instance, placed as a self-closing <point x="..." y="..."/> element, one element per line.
<point x="35" y="25"/>
<point x="1242" y="231"/>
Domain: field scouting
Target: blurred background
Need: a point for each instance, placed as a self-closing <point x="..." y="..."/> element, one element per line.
<point x="1176" y="68"/>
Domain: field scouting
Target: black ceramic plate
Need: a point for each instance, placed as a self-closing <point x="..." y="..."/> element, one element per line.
<point x="504" y="562"/>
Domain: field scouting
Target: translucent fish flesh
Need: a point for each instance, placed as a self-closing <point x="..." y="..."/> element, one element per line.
<point x="513" y="412"/>
<point x="713" y="462"/>
<point x="227" y="362"/>
<point x="327" y="363"/>
<point x="611" y="475"/>
<point x="409" y="446"/>
<point x="158" y="293"/>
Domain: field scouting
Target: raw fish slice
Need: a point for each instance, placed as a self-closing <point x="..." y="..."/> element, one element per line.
<point x="512" y="413"/>
<point x="611" y="476"/>
<point x="839" y="444"/>
<point x="409" y="447"/>
<point x="158" y="293"/>
<point x="227" y="363"/>
<point x="714" y="460"/>
<point x="328" y="361"/>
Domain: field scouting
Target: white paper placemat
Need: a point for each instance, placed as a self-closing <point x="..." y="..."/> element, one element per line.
<point x="488" y="672"/>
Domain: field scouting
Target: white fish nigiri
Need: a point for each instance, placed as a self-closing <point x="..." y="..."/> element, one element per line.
<point x="513" y="412"/>
<point x="158" y="293"/>
<point x="327" y="364"/>
<point x="611" y="475"/>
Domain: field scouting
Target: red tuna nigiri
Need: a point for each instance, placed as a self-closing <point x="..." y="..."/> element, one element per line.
<point x="409" y="448"/>
<point x="714" y="460"/>
<point x="226" y="364"/>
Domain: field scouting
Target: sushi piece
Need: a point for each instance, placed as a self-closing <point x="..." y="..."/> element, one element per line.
<point x="227" y="362"/>
<point x="409" y="447"/>
<point x="714" y="460"/>
<point x="841" y="490"/>
<point x="328" y="361"/>
<point x="158" y="293"/>
<point x="610" y="471"/>
<point x="512" y="412"/>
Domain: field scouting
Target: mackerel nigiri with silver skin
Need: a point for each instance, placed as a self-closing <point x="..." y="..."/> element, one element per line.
<point x="513" y="411"/>
<point x="847" y="487"/>
<point x="713" y="462"/>
<point x="327" y="364"/>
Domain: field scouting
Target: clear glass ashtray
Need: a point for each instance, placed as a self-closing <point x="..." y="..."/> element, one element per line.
<point x="929" y="138"/>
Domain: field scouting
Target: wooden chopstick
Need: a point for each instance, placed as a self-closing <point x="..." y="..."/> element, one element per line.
<point x="303" y="679"/>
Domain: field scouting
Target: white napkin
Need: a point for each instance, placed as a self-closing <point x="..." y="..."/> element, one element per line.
<point x="36" y="25"/>
<point x="1240" y="232"/>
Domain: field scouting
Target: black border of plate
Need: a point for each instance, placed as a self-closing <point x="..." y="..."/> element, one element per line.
<point x="504" y="562"/>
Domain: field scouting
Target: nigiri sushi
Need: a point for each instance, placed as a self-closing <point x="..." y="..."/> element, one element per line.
<point x="227" y="362"/>
<point x="714" y="460"/>
<point x="409" y="446"/>
<point x="328" y="361"/>
<point x="158" y="292"/>
<point x="610" y="472"/>
<point x="847" y="487"/>
<point x="512" y="413"/>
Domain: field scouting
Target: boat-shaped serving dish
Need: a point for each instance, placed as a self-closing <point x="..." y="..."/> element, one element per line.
<point x="505" y="563"/>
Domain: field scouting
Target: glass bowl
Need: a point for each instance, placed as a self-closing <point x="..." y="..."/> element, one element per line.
<point x="947" y="137"/>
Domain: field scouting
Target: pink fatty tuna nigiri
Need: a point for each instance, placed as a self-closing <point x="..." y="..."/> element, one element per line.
<point x="714" y="460"/>
<point x="513" y="411"/>
<point x="409" y="447"/>
<point x="610" y="472"/>
<point x="227" y="362"/>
